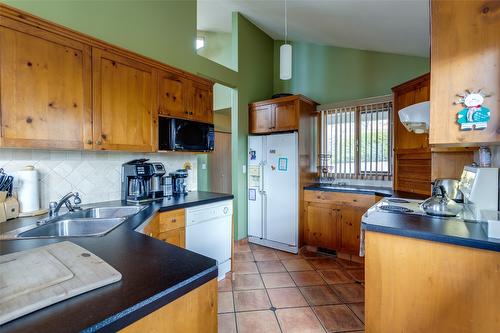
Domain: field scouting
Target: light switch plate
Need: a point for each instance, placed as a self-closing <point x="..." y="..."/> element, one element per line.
<point x="244" y="169"/>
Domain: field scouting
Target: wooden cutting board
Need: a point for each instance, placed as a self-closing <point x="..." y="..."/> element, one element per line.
<point x="33" y="279"/>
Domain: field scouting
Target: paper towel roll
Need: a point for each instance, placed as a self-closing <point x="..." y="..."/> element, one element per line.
<point x="28" y="189"/>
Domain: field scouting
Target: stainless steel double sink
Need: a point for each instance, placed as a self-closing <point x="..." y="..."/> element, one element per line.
<point x="87" y="222"/>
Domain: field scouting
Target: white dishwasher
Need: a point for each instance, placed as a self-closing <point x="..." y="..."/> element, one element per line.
<point x="208" y="232"/>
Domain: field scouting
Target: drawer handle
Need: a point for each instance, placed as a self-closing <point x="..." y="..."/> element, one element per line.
<point x="174" y="220"/>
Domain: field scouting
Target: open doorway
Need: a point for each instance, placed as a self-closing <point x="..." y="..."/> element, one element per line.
<point x="214" y="169"/>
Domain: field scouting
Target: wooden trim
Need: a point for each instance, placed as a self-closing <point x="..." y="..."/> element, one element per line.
<point x="9" y="16"/>
<point x="356" y="102"/>
<point x="410" y="85"/>
<point x="284" y="99"/>
<point x="453" y="149"/>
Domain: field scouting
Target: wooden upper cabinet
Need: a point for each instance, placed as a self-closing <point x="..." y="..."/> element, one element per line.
<point x="406" y="94"/>
<point x="180" y="97"/>
<point x="124" y="103"/>
<point x="286" y="115"/>
<point x="172" y="92"/>
<point x="465" y="43"/>
<point x="279" y="114"/>
<point x="44" y="89"/>
<point x="261" y="119"/>
<point x="200" y="102"/>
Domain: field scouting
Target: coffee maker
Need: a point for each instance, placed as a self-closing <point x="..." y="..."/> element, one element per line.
<point x="136" y="181"/>
<point x="156" y="186"/>
<point x="179" y="181"/>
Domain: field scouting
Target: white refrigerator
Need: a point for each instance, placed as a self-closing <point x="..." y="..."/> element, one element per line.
<point x="273" y="178"/>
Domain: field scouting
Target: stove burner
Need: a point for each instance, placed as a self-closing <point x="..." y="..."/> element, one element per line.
<point x="397" y="209"/>
<point x="398" y="200"/>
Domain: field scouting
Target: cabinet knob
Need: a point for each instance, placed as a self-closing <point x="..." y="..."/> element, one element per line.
<point x="191" y="112"/>
<point x="89" y="142"/>
<point x="174" y="220"/>
<point x="99" y="142"/>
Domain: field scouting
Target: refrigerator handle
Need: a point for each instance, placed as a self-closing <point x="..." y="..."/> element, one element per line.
<point x="263" y="225"/>
<point x="261" y="178"/>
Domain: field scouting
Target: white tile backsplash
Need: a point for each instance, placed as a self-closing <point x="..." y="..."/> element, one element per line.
<point x="95" y="175"/>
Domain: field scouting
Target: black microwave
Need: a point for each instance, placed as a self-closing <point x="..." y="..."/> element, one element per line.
<point x="185" y="135"/>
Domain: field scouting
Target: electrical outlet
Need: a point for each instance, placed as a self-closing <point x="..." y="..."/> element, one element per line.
<point x="203" y="166"/>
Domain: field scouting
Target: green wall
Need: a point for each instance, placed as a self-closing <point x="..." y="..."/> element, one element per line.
<point x="255" y="82"/>
<point x="166" y="31"/>
<point x="331" y="74"/>
<point x="218" y="47"/>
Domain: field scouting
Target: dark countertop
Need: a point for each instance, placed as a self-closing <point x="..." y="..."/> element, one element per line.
<point x="444" y="230"/>
<point x="365" y="189"/>
<point x="154" y="273"/>
<point x="451" y="231"/>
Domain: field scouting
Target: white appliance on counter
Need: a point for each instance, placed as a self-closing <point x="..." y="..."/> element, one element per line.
<point x="480" y="186"/>
<point x="208" y="232"/>
<point x="273" y="181"/>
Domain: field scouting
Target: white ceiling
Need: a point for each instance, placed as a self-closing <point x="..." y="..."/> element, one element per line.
<point x="395" y="26"/>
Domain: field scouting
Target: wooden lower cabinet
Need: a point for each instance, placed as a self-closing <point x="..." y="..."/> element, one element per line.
<point x="194" y="312"/>
<point x="414" y="285"/>
<point x="332" y="220"/>
<point x="169" y="227"/>
<point x="175" y="237"/>
<point x="350" y="228"/>
<point x="322" y="226"/>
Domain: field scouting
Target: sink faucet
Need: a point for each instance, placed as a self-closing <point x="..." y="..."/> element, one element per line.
<point x="54" y="207"/>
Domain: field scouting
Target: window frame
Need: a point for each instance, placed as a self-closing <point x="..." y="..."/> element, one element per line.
<point x="358" y="107"/>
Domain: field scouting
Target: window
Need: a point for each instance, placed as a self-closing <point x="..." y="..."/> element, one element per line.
<point x="200" y="42"/>
<point x="356" y="140"/>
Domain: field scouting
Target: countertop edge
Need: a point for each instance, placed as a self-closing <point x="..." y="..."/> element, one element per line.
<point x="197" y="203"/>
<point x="447" y="239"/>
<point x="153" y="303"/>
<point x="143" y="308"/>
<point x="345" y="190"/>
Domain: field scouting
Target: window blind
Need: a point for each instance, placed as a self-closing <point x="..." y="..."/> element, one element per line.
<point x="356" y="141"/>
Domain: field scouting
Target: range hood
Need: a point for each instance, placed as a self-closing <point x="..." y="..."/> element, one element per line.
<point x="416" y="117"/>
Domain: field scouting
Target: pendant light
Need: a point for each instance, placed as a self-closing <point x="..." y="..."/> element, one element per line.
<point x="286" y="54"/>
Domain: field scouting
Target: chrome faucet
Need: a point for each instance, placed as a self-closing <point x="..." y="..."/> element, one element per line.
<point x="54" y="207"/>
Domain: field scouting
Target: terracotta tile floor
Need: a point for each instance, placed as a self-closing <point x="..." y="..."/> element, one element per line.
<point x="274" y="291"/>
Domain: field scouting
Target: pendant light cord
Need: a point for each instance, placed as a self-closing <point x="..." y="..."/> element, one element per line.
<point x="286" y="24"/>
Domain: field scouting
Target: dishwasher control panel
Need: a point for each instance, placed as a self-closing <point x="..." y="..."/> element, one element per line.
<point x="208" y="212"/>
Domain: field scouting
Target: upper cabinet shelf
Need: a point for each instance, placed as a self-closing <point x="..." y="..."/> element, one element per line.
<point x="60" y="89"/>
<point x="465" y="44"/>
<point x="279" y="114"/>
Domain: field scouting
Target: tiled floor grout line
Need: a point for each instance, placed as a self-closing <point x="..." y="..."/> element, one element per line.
<point x="312" y="309"/>
<point x="341" y="267"/>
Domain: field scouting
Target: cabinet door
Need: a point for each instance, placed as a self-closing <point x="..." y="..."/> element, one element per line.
<point x="321" y="226"/>
<point x="152" y="228"/>
<point x="172" y="220"/>
<point x="201" y="106"/>
<point x="172" y="91"/>
<point x="44" y="90"/>
<point x="261" y="119"/>
<point x="286" y="116"/>
<point x="176" y="237"/>
<point x="124" y="103"/>
<point x="350" y="224"/>
<point x="457" y="65"/>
